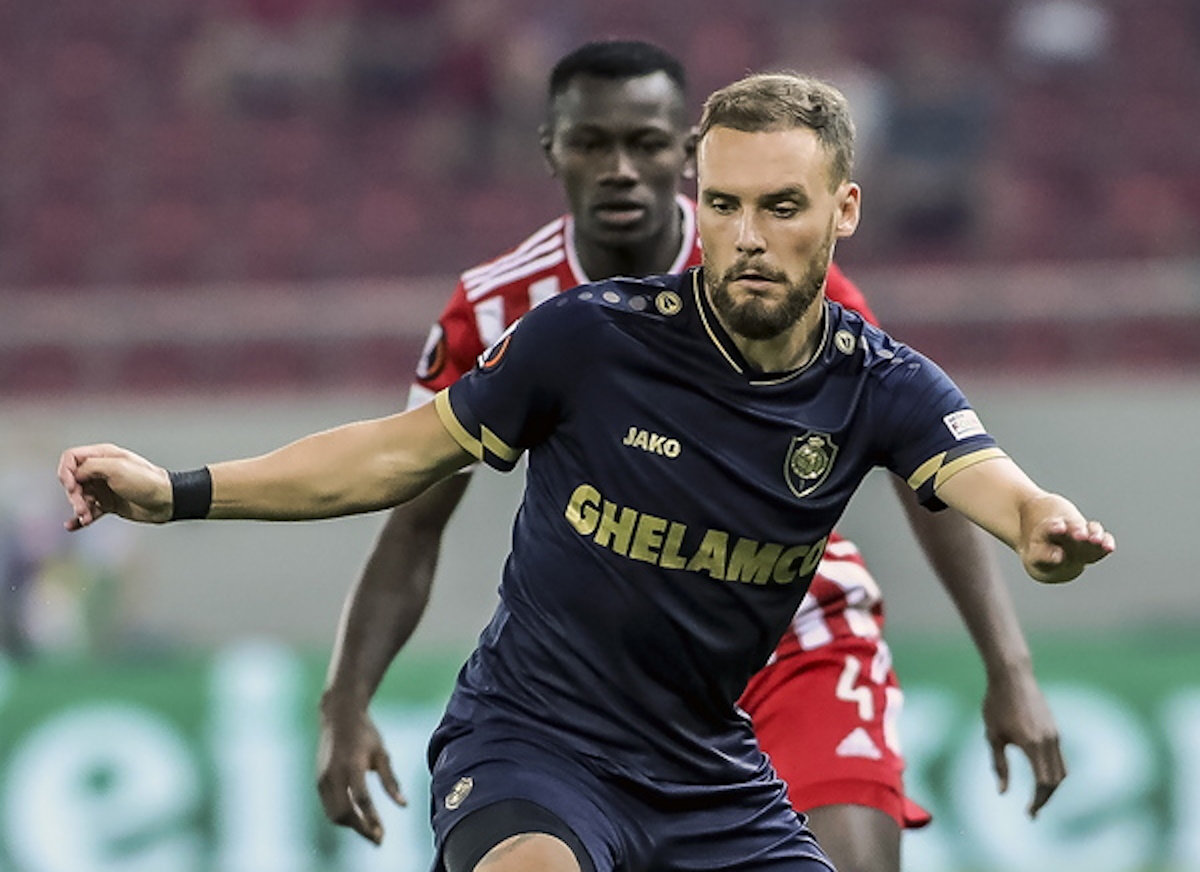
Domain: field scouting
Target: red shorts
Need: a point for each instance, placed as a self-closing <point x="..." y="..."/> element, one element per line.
<point x="827" y="719"/>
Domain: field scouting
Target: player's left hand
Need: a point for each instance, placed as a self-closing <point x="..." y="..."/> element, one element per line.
<point x="107" y="479"/>
<point x="1016" y="713"/>
<point x="1057" y="546"/>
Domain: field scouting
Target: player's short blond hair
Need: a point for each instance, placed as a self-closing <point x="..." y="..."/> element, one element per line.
<point x="781" y="101"/>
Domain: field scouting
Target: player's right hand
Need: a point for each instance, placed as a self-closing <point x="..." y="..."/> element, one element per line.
<point x="107" y="479"/>
<point x="348" y="747"/>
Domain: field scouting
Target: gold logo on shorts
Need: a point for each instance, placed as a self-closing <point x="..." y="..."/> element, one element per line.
<point x="458" y="793"/>
<point x="668" y="303"/>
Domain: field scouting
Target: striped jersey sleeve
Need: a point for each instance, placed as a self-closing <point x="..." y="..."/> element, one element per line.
<point x="486" y="301"/>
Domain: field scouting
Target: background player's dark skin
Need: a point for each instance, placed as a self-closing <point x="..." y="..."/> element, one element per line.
<point x="619" y="148"/>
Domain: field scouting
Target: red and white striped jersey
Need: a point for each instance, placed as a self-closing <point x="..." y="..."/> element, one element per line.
<point x="843" y="600"/>
<point x="490" y="297"/>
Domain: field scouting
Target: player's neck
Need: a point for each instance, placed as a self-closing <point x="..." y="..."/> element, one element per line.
<point x="651" y="257"/>
<point x="790" y="350"/>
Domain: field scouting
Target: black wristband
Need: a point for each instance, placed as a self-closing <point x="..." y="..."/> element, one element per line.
<point x="191" y="494"/>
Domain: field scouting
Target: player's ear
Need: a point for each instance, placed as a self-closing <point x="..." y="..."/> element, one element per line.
<point x="849" y="208"/>
<point x="689" y="148"/>
<point x="546" y="141"/>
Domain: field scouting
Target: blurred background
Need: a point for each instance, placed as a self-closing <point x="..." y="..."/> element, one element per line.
<point x="227" y="223"/>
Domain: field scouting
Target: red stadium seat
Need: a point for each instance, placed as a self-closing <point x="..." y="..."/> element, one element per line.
<point x="169" y="240"/>
<point x="279" y="236"/>
<point x="75" y="157"/>
<point x="178" y="155"/>
<point x="41" y="370"/>
<point x="58" y="243"/>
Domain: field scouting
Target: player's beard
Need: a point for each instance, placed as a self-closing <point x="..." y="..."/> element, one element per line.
<point x="758" y="318"/>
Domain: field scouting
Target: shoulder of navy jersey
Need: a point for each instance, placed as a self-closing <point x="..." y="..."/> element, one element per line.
<point x="855" y="341"/>
<point x="522" y="385"/>
<point x="568" y="317"/>
<point x="654" y="295"/>
<point x="915" y="389"/>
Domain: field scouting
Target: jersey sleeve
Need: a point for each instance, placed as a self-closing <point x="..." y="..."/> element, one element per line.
<point x="515" y="395"/>
<point x="840" y="289"/>
<point x="450" y="350"/>
<point x="932" y="431"/>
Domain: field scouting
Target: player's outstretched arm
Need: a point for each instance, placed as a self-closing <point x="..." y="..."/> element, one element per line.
<point x="355" y="468"/>
<point x="380" y="614"/>
<point x="1053" y="539"/>
<point x="1015" y="711"/>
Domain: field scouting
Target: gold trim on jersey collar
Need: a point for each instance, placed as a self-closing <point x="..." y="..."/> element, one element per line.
<point x="716" y="339"/>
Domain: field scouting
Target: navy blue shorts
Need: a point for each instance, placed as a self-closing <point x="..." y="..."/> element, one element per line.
<point x="624" y="824"/>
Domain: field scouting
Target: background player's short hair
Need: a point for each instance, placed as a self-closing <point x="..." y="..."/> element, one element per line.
<point x="614" y="59"/>
<point x="781" y="101"/>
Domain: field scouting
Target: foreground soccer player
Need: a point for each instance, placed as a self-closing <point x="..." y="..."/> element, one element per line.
<point x="594" y="726"/>
<point x="618" y="139"/>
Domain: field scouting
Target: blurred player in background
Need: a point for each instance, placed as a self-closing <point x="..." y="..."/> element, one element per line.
<point x="618" y="138"/>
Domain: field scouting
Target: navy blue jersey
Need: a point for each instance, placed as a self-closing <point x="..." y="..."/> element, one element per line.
<point x="676" y="505"/>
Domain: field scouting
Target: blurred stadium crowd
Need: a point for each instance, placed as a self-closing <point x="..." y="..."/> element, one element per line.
<point x="175" y="142"/>
<point x="260" y="194"/>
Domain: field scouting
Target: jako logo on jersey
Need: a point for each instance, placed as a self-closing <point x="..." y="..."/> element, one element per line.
<point x="808" y="462"/>
<point x="658" y="541"/>
<point x="651" y="442"/>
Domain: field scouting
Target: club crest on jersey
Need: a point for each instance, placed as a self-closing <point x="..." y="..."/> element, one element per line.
<point x="459" y="792"/>
<point x="808" y="462"/>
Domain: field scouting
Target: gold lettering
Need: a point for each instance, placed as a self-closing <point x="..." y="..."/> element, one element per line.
<point x="648" y="538"/>
<point x="710" y="556"/>
<point x="642" y="441"/>
<point x="616" y="529"/>
<point x="658" y="541"/>
<point x="785" y="570"/>
<point x="628" y="440"/>
<point x="671" y="558"/>
<point x="748" y="562"/>
<point x="814" y="557"/>
<point x="581" y="509"/>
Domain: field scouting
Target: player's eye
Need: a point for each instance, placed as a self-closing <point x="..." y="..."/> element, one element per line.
<point x="652" y="146"/>
<point x="584" y="145"/>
